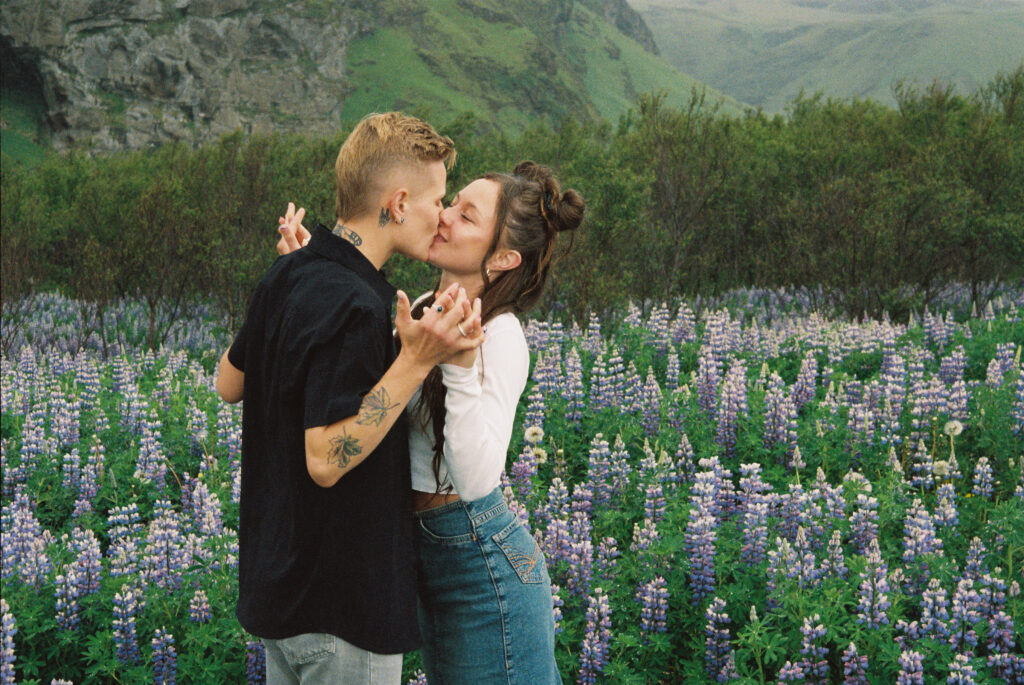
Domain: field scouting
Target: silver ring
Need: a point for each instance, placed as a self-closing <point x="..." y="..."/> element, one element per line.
<point x="439" y="308"/>
<point x="459" y="325"/>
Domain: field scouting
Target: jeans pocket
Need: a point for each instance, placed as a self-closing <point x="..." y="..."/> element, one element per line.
<point x="307" y="647"/>
<point x="522" y="552"/>
<point x="438" y="536"/>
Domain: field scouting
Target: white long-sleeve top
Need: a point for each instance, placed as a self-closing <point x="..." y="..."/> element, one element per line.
<point x="480" y="408"/>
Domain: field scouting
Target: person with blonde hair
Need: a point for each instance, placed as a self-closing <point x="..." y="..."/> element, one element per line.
<point x="326" y="553"/>
<point x="485" y="605"/>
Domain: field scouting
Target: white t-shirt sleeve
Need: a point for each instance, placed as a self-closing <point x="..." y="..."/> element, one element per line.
<point x="481" y="408"/>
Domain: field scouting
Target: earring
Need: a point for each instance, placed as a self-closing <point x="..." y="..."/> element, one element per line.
<point x="402" y="220"/>
<point x="488" y="272"/>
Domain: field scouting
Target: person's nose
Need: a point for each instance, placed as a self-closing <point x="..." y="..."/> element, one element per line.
<point x="445" y="218"/>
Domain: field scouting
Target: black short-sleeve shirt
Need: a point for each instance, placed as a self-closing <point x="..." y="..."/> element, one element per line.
<point x="336" y="560"/>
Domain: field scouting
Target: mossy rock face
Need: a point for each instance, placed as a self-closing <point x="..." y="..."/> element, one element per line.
<point x="133" y="75"/>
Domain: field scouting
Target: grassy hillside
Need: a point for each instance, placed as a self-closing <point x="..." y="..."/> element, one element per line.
<point x="507" y="65"/>
<point x="23" y="134"/>
<point x="765" y="52"/>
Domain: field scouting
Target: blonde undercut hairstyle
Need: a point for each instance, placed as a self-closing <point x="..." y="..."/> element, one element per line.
<point x="378" y="144"/>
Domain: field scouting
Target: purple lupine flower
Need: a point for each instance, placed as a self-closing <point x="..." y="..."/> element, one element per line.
<point x="790" y="672"/>
<point x="805" y="568"/>
<point x="974" y="565"/>
<point x="672" y="370"/>
<point x="535" y="408"/>
<point x="418" y="678"/>
<point x="991" y="595"/>
<point x="684" y="328"/>
<point x="607" y="553"/>
<point x="580" y="554"/>
<point x="657" y="329"/>
<point x="855" y="667"/>
<point x="66" y="593"/>
<point x="644" y="536"/>
<point x="945" y="506"/>
<point x="922" y="468"/>
<point x="91" y="474"/>
<point x="732" y="405"/>
<point x="632" y="316"/>
<point x="982" y="478"/>
<point x="615" y="379"/>
<point x="8" y="629"/>
<point x="806" y="381"/>
<point x="600" y="393"/>
<point x="934" y="610"/>
<point x="709" y="373"/>
<point x="165" y="558"/>
<point x="835" y="563"/>
<point x="151" y="466"/>
<point x="572" y="386"/>
<point x="814" y="663"/>
<point x="165" y="658"/>
<point x="961" y="672"/>
<point x="653" y="599"/>
<point x="911" y="669"/>
<point x="594" y="650"/>
<point x="556" y="607"/>
<point x="632" y="391"/>
<point x="864" y="522"/>
<point x="88" y="562"/>
<point x="701" y="533"/>
<point x="685" y="458"/>
<point x="755" y="514"/>
<point x="582" y="499"/>
<point x="1004" y="356"/>
<point x="1000" y="634"/>
<point x="599" y="471"/>
<point x="593" y="341"/>
<point x="964" y="615"/>
<point x="199" y="608"/>
<point x="952" y="368"/>
<point x="873" y="605"/>
<point x="255" y="663"/>
<point x="126" y="606"/>
<point x="24" y="541"/>
<point x="71" y="471"/>
<point x="521" y="474"/>
<point x="919" y="533"/>
<point x="1017" y="413"/>
<point x="651" y="404"/>
<point x="654" y="502"/>
<point x="718" y="654"/>
<point x="779" y="415"/>
<point x="1009" y="667"/>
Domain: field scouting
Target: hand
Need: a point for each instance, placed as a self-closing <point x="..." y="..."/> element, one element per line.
<point x="471" y="325"/>
<point x="293" y="234"/>
<point x="435" y="337"/>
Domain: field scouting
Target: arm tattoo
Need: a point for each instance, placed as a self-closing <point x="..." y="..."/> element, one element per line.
<point x="375" y="408"/>
<point x="343" y="448"/>
<point x="343" y="231"/>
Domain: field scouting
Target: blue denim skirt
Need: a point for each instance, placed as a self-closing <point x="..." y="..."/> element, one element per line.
<point x="484" y="597"/>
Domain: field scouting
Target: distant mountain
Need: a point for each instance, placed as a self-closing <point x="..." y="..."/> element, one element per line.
<point x="114" y="75"/>
<point x="764" y="52"/>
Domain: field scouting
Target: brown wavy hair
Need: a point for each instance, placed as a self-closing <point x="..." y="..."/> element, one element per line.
<point x="532" y="210"/>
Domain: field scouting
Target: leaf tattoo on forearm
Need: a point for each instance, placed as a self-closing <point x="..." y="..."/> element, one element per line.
<point x="375" y="408"/>
<point x="343" y="448"/>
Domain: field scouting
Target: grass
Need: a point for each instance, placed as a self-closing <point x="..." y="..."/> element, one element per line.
<point x="766" y="51"/>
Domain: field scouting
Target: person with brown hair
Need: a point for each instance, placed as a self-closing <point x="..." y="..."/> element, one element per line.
<point x="485" y="605"/>
<point x="326" y="553"/>
<point x="484" y="591"/>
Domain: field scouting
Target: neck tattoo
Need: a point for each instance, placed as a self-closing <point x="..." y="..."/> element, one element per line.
<point x="346" y="233"/>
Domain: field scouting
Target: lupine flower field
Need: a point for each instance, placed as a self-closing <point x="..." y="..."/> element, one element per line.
<point x="730" y="490"/>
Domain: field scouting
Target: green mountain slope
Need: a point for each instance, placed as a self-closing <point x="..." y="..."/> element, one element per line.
<point x="509" y="63"/>
<point x="765" y="52"/>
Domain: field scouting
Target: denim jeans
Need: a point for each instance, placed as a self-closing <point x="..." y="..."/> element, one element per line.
<point x="484" y="597"/>
<point x="320" y="658"/>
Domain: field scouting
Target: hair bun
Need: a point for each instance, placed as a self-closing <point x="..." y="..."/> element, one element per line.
<point x="564" y="211"/>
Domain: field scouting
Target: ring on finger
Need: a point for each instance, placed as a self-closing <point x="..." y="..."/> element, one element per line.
<point x="439" y="308"/>
<point x="464" y="334"/>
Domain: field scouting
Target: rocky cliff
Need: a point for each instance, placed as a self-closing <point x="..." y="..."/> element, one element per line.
<point x="116" y="74"/>
<point x="127" y="74"/>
